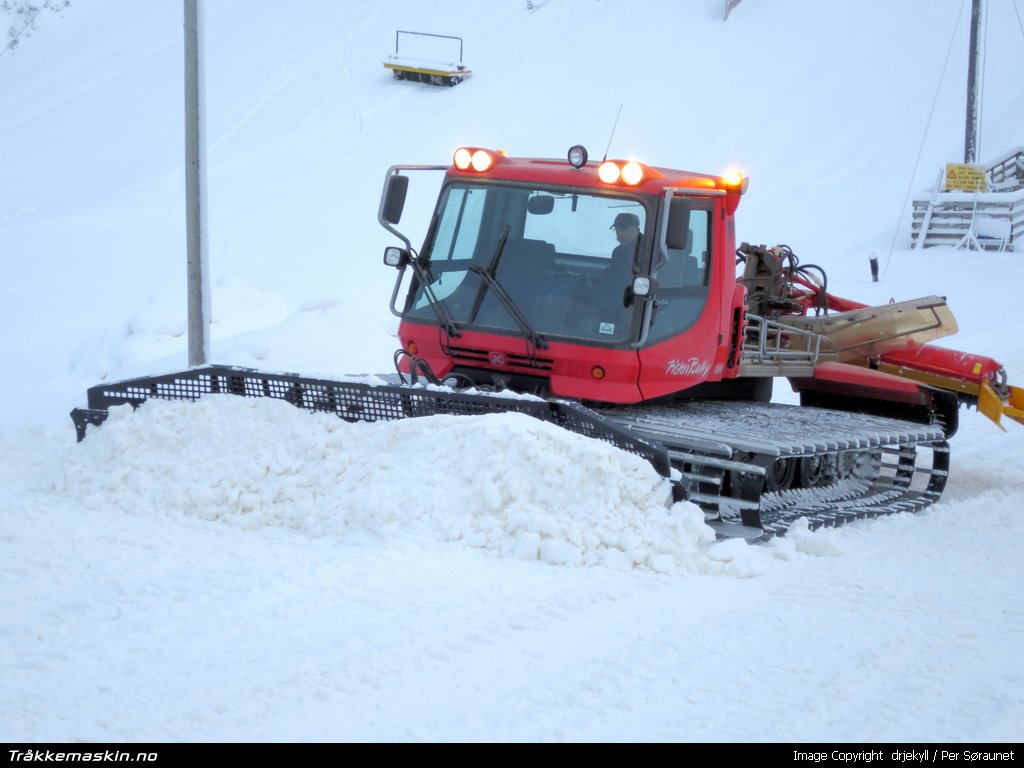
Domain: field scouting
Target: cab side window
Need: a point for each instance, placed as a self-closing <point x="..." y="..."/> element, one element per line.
<point x="683" y="280"/>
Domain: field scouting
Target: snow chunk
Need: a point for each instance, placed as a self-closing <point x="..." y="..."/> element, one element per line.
<point x="820" y="542"/>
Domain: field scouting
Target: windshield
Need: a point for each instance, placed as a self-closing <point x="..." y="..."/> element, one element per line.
<point x="565" y="260"/>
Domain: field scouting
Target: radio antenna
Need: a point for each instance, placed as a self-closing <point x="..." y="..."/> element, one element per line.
<point x="613" y="133"/>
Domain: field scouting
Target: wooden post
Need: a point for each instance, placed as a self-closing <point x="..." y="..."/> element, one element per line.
<point x="198" y="286"/>
<point x="973" y="76"/>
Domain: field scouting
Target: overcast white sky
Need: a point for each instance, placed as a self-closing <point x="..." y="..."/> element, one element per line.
<point x="241" y="571"/>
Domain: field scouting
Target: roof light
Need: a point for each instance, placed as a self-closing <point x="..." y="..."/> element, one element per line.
<point x="577" y="156"/>
<point x="608" y="172"/>
<point x="632" y="172"/>
<point x="473" y="159"/>
<point x="629" y="172"/>
<point x="482" y="160"/>
<point x="463" y="157"/>
<point x="734" y="179"/>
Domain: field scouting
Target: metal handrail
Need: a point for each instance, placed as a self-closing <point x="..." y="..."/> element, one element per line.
<point x="427" y="34"/>
<point x="810" y="354"/>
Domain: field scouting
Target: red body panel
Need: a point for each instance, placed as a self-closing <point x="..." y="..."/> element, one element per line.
<point x="843" y="378"/>
<point x="962" y="366"/>
<point x="570" y="367"/>
<point x="684" y="361"/>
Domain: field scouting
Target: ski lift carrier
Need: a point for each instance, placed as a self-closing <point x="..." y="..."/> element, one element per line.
<point x="429" y="71"/>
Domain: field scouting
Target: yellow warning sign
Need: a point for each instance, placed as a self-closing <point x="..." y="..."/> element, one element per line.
<point x="966" y="178"/>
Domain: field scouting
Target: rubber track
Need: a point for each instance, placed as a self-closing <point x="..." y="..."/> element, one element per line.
<point x="727" y="450"/>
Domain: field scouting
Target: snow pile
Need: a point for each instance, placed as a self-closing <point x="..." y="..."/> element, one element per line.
<point x="513" y="486"/>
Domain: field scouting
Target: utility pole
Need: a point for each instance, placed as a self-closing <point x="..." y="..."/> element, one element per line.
<point x="973" y="76"/>
<point x="198" y="287"/>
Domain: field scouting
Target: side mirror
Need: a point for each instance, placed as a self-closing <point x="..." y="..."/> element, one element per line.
<point x="394" y="198"/>
<point x="396" y="257"/>
<point x="678" y="231"/>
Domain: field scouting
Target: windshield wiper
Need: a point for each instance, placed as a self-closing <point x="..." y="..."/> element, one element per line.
<point x="531" y="333"/>
<point x="443" y="315"/>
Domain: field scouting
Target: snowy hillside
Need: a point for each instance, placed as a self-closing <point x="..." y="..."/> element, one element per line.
<point x="243" y="572"/>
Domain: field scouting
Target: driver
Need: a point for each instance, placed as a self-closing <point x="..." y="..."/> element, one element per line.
<point x="617" y="277"/>
<point x="627" y="233"/>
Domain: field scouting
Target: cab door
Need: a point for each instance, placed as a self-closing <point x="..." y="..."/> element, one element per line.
<point x="683" y="342"/>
